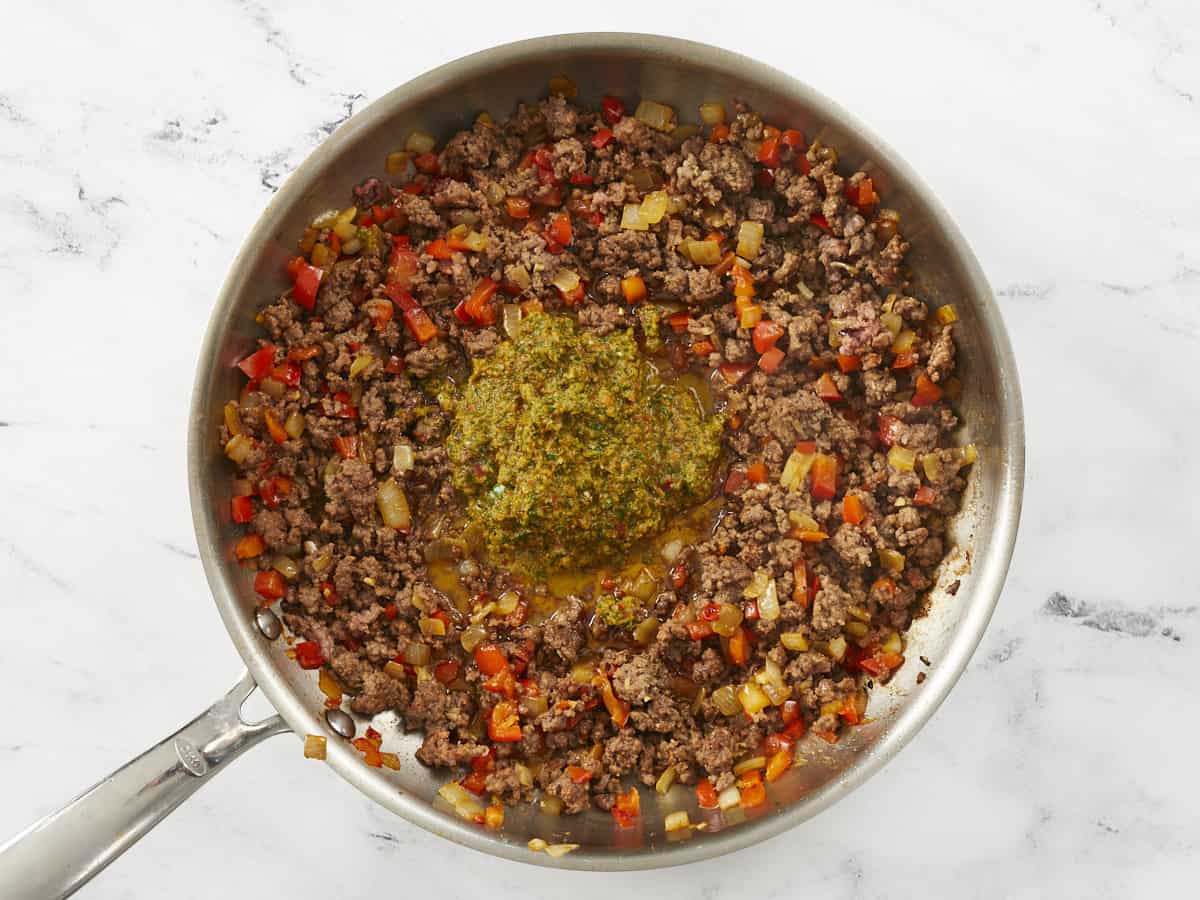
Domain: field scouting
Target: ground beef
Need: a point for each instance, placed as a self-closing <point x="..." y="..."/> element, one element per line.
<point x="825" y="368"/>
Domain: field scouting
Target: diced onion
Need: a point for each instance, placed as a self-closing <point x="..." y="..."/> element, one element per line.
<point x="518" y="275"/>
<point x="901" y="458"/>
<point x="932" y="466"/>
<point x="671" y="550"/>
<point x="757" y="585"/>
<point x="566" y="280"/>
<point x="551" y="805"/>
<point x="768" y="603"/>
<point x="362" y="362"/>
<point x="665" y="780"/>
<point x="893" y="644"/>
<point x="507" y="602"/>
<point x="482" y="613"/>
<point x="233" y="420"/>
<point x="644" y="179"/>
<point x="432" y="627"/>
<point x="752" y="698"/>
<point x="892" y="322"/>
<point x="646" y="630"/>
<point x="947" y="314"/>
<point x="239" y="448"/>
<point x="904" y="341"/>
<point x="677" y="821"/>
<point x="702" y="253"/>
<point x="804" y="290"/>
<point x="712" y="113"/>
<point x="402" y="458"/>
<point x="417" y="654"/>
<point x="537" y="845"/>
<point x="750" y="764"/>
<point x="557" y="851"/>
<point x="969" y="454"/>
<point x="750" y="236"/>
<point x="728" y="619"/>
<point x="794" y="641"/>
<point x="654" y="207"/>
<point x="396" y="670"/>
<point x="326" y="219"/>
<point x="892" y="560"/>
<point x="855" y="629"/>
<point x="397" y="163"/>
<point x="512" y="320"/>
<point x="314" y="746"/>
<point x="420" y="142"/>
<point x="631" y="218"/>
<point x="837" y="648"/>
<point x="329" y="686"/>
<point x="351" y="247"/>
<point x="472" y="637"/>
<point x="393" y="505"/>
<point x="725" y="700"/>
<point x="294" y="425"/>
<point x="285" y="566"/>
<point x="524" y="774"/>
<point x="681" y="133"/>
<point x="658" y="116"/>
<point x="795" y="470"/>
<point x="730" y="797"/>
<point x="583" y="672"/>
<point x="465" y="805"/>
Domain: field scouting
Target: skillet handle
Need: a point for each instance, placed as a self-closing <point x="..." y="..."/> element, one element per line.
<point x="57" y="855"/>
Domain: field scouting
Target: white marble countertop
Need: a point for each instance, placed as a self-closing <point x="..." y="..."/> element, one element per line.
<point x="138" y="143"/>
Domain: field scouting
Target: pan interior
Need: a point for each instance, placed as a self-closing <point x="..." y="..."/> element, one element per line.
<point x="683" y="75"/>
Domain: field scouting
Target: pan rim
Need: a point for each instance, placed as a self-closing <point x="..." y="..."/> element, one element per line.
<point x="990" y="564"/>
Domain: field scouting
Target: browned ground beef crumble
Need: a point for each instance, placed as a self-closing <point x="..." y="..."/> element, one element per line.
<point x="377" y="578"/>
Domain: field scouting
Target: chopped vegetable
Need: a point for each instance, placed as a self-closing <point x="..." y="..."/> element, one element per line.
<point x="269" y="585"/>
<point x="631" y="218"/>
<point x="902" y="459"/>
<point x="314" y="746"/>
<point x="676" y="821"/>
<point x="824" y="476"/>
<point x="504" y="726"/>
<point x="826" y="389"/>
<point x="947" y="314"/>
<point x="308" y="655"/>
<point x="393" y="505"/>
<point x="853" y="510"/>
<point x="249" y="546"/>
<point x="927" y="393"/>
<point x="627" y="807"/>
<point x="750" y="236"/>
<point x="258" y="364"/>
<point x="658" y="116"/>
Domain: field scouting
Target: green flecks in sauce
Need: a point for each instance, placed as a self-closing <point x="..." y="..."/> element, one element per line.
<point x="570" y="448"/>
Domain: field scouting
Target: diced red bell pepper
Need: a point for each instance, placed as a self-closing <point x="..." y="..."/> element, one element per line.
<point x="753" y="792"/>
<point x="889" y="428"/>
<point x="706" y="794"/>
<point x="259" y="363"/>
<point x="301" y="354"/>
<point x="739" y="647"/>
<point x="420" y="326"/>
<point x="269" y="584"/>
<point x="342" y="407"/>
<point x="581" y="178"/>
<point x="904" y="360"/>
<point x="771" y="360"/>
<point x="288" y="373"/>
<point x="765" y="334"/>
<point x="925" y="496"/>
<point x="308" y="655"/>
<point x="439" y="249"/>
<point x="824" y="476"/>
<point x="734" y="482"/>
<point x="479" y="305"/>
<point x="679" y="322"/>
<point x="821" y="222"/>
<point x="328" y="593"/>
<point x="517" y="207"/>
<point x="927" y="393"/>
<point x="560" y="229"/>
<point x="579" y="774"/>
<point x="827" y="390"/>
<point x="612" y="109"/>
<point x="502" y="682"/>
<point x="699" y="630"/>
<point x="734" y="372"/>
<point x="627" y="807"/>
<point x="756" y="472"/>
<point x="853" y="510"/>
<point x="278" y="435"/>
<point x="617" y="708"/>
<point x="476" y="782"/>
<point x="793" y="138"/>
<point x="601" y="138"/>
<point x="305" y="284"/>
<point x="390" y="612"/>
<point x="710" y="612"/>
<point x="241" y="509"/>
<point x="490" y="659"/>
<point x="427" y="163"/>
<point x="768" y="152"/>
<point x="719" y="133"/>
<point x="402" y="266"/>
<point x="848" y="363"/>
<point x="380" y="312"/>
<point x="249" y="546"/>
<point x="346" y="445"/>
<point x="504" y="726"/>
<point x="447" y="671"/>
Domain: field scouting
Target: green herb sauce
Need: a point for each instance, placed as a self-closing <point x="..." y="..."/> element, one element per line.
<point x="570" y="448"/>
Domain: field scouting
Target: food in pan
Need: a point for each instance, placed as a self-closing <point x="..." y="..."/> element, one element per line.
<point x="603" y="449"/>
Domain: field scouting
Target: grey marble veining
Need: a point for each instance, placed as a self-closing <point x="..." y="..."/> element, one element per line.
<point x="137" y="145"/>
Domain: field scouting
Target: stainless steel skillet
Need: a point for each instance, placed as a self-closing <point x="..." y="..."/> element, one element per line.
<point x="61" y="852"/>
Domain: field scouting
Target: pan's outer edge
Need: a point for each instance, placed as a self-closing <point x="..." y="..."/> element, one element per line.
<point x="990" y="565"/>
